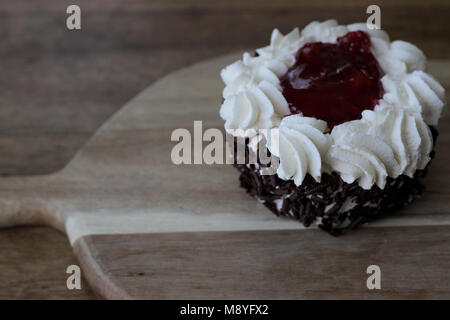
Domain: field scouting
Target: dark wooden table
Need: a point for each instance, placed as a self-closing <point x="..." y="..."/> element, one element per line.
<point x="58" y="86"/>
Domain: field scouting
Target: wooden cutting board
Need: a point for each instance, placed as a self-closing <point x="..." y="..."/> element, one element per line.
<point x="143" y="227"/>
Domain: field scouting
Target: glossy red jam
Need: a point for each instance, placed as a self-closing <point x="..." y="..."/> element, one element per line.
<point x="334" y="82"/>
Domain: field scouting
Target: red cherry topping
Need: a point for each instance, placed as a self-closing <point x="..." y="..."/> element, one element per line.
<point x="334" y="82"/>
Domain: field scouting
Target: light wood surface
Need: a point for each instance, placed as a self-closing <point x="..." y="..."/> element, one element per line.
<point x="33" y="265"/>
<point x="293" y="264"/>
<point x="123" y="182"/>
<point x="58" y="86"/>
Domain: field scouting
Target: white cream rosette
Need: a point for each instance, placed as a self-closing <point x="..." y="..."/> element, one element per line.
<point x="301" y="145"/>
<point x="391" y="140"/>
<point x="386" y="142"/>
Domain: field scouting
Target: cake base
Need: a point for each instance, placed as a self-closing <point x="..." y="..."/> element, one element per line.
<point x="334" y="205"/>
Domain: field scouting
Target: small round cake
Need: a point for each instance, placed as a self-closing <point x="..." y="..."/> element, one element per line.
<point x="349" y="116"/>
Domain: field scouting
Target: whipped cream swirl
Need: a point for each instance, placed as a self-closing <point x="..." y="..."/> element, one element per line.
<point x="391" y="140"/>
<point x="243" y="75"/>
<point x="282" y="48"/>
<point x="417" y="92"/>
<point x="385" y="142"/>
<point x="327" y="31"/>
<point x="261" y="107"/>
<point x="405" y="82"/>
<point x="300" y="145"/>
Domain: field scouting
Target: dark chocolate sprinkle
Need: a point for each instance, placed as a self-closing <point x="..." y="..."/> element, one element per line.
<point x="308" y="201"/>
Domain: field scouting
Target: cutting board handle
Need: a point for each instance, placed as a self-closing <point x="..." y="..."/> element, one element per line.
<point x="23" y="202"/>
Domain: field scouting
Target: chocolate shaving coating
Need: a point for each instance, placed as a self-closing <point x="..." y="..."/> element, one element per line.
<point x="338" y="205"/>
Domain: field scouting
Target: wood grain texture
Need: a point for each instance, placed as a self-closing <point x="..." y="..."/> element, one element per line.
<point x="125" y="45"/>
<point x="61" y="86"/>
<point x="126" y="170"/>
<point x="414" y="262"/>
<point x="124" y="182"/>
<point x="33" y="265"/>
